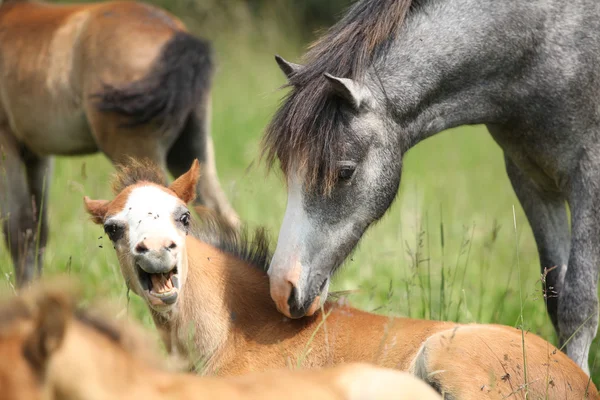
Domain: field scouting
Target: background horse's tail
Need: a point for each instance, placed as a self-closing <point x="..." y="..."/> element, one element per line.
<point x="177" y="83"/>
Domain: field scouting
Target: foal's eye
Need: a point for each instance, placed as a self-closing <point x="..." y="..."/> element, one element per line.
<point x="113" y="230"/>
<point x="346" y="172"/>
<point x="185" y="219"/>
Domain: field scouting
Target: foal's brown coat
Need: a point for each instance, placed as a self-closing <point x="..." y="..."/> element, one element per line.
<point x="71" y="78"/>
<point x="48" y="350"/>
<point x="237" y="328"/>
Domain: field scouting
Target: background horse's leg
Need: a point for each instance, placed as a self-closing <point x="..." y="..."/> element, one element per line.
<point x="195" y="141"/>
<point x="578" y="299"/>
<point x="16" y="208"/>
<point x="39" y="176"/>
<point x="547" y="217"/>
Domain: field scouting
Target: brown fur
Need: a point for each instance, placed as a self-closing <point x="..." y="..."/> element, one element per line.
<point x="106" y="76"/>
<point x="236" y="329"/>
<point x="84" y="358"/>
<point x="250" y="335"/>
<point x="308" y="129"/>
<point x="185" y="186"/>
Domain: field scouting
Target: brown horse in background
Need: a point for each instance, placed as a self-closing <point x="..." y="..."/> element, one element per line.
<point x="208" y="292"/>
<point x="123" y="78"/>
<point x="52" y="350"/>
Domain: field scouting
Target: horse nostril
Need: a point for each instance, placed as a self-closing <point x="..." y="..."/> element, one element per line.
<point x="292" y="298"/>
<point x="141" y="247"/>
<point x="172" y="246"/>
<point x="296" y="309"/>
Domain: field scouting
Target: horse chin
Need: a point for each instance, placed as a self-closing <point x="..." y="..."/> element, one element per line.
<point x="163" y="302"/>
<point x="319" y="300"/>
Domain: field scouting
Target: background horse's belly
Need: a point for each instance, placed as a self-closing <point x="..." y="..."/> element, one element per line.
<point x="55" y="133"/>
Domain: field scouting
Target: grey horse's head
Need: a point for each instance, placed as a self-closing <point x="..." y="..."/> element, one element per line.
<point x="342" y="170"/>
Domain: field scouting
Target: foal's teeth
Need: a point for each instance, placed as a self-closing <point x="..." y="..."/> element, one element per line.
<point x="163" y="283"/>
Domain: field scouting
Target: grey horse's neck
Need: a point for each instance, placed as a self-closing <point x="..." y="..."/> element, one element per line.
<point x="453" y="70"/>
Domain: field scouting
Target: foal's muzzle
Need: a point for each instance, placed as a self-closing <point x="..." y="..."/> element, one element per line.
<point x="156" y="264"/>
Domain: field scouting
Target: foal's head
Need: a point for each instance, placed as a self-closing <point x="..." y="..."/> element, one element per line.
<point x="148" y="224"/>
<point x="49" y="349"/>
<point x="33" y="332"/>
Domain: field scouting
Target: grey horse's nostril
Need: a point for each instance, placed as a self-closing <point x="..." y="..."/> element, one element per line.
<point x="293" y="294"/>
<point x="172" y="246"/>
<point x="296" y="309"/>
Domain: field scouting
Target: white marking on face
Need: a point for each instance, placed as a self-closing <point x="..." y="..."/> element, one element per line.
<point x="149" y="213"/>
<point x="295" y="230"/>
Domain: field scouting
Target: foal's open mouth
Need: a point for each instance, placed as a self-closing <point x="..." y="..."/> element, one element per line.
<point x="160" y="288"/>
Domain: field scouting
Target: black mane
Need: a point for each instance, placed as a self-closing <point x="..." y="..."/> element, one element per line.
<point x="310" y="125"/>
<point x="251" y="246"/>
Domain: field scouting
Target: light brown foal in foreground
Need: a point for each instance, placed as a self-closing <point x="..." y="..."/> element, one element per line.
<point x="51" y="351"/>
<point x="123" y="78"/>
<point x="214" y="287"/>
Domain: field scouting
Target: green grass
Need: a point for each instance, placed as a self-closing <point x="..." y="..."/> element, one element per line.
<point x="453" y="184"/>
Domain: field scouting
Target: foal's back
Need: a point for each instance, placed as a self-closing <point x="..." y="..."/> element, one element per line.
<point x="466" y="361"/>
<point x="495" y="361"/>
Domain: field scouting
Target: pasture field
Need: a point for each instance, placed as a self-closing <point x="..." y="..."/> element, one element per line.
<point x="451" y="247"/>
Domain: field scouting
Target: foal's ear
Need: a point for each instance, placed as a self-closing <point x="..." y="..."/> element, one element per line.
<point x="96" y="208"/>
<point x="288" y="68"/>
<point x="185" y="186"/>
<point x="50" y="329"/>
<point x="353" y="92"/>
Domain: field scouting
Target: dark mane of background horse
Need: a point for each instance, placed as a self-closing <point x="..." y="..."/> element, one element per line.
<point x="310" y="122"/>
<point x="249" y="246"/>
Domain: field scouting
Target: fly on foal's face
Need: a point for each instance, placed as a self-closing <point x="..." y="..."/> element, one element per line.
<point x="320" y="230"/>
<point x="148" y="224"/>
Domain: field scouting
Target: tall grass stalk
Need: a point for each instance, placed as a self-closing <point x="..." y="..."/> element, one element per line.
<point x="522" y="327"/>
<point x="442" y="272"/>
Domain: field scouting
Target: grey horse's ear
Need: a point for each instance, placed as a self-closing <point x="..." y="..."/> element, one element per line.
<point x="288" y="68"/>
<point x="350" y="90"/>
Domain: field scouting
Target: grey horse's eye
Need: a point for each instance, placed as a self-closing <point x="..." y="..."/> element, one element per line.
<point x="346" y="172"/>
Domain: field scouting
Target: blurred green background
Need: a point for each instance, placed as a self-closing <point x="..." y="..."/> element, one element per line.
<point x="484" y="269"/>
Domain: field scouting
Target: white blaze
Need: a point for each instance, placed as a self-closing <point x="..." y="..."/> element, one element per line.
<point x="295" y="230"/>
<point x="149" y="213"/>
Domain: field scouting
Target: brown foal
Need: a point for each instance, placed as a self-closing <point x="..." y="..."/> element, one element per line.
<point x="49" y="350"/>
<point x="213" y="287"/>
<point x="124" y="78"/>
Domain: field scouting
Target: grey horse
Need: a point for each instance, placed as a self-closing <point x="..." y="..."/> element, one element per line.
<point x="394" y="72"/>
